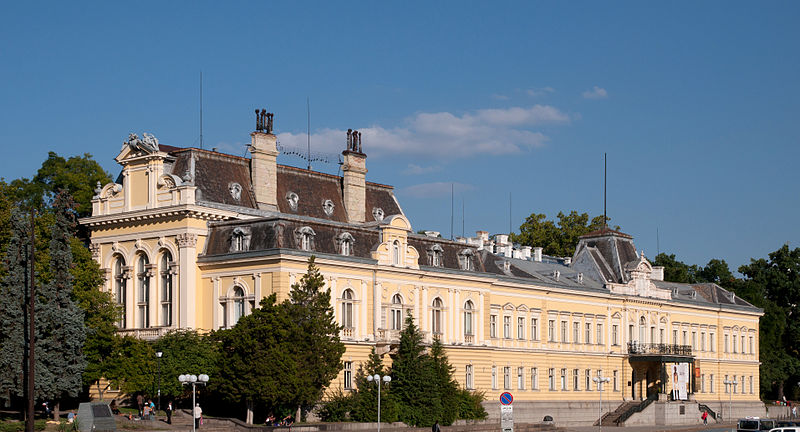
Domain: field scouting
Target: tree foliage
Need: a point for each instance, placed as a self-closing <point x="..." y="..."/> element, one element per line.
<point x="716" y="271"/>
<point x="557" y="238"/>
<point x="365" y="395"/>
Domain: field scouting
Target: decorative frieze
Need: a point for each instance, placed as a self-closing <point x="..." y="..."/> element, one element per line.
<point x="186" y="240"/>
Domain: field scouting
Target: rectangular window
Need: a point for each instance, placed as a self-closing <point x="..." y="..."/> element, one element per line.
<point x="616" y="380"/>
<point x="564" y="331"/>
<point x="563" y="379"/>
<point x="702" y="341"/>
<point x="743" y="346"/>
<point x="751" y="345"/>
<point x="576" y="330"/>
<point x="551" y="377"/>
<point x="551" y="331"/>
<point x="520" y="328"/>
<point x="751" y="384"/>
<point x="507" y="327"/>
<point x="534" y="329"/>
<point x="588" y="380"/>
<point x="614" y="334"/>
<point x="348" y="375"/>
<point x="652" y="335"/>
<point x="734" y="345"/>
<point x="534" y="378"/>
<point x="685" y="340"/>
<point x="599" y="339"/>
<point x="469" y="382"/>
<point x="521" y="378"/>
<point x="742" y="381"/>
<point x="694" y="340"/>
<point x="630" y="332"/>
<point x="725" y="345"/>
<point x="588" y="336"/>
<point x="711" y="342"/>
<point x="576" y="377"/>
<point x="493" y="326"/>
<point x="661" y="336"/>
<point x="494" y="377"/>
<point x="711" y="383"/>
<point x="507" y="377"/>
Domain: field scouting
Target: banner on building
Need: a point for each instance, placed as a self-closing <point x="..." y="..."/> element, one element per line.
<point x="680" y="381"/>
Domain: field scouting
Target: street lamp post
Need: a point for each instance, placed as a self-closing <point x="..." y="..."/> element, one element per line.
<point x="600" y="379"/>
<point x="377" y="378"/>
<point x="193" y="380"/>
<point x="728" y="383"/>
<point x="158" y="356"/>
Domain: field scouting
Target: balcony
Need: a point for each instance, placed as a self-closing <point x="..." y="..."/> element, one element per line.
<point x="150" y="333"/>
<point x="661" y="351"/>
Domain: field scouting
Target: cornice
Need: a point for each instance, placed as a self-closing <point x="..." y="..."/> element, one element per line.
<point x="185" y="210"/>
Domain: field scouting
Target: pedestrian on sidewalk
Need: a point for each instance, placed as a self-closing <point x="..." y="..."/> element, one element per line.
<point x="169" y="412"/>
<point x="198" y="414"/>
<point x="705" y="417"/>
<point x="435" y="427"/>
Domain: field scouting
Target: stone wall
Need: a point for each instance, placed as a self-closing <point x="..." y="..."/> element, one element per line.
<point x="564" y="413"/>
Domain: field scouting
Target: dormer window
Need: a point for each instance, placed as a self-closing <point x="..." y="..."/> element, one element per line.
<point x="465" y="259"/>
<point x="305" y="238"/>
<point x="240" y="239"/>
<point x="345" y="242"/>
<point x="435" y="256"/>
<point x="377" y="213"/>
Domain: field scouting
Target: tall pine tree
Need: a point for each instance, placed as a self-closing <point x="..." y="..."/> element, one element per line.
<point x="413" y="380"/>
<point x="365" y="407"/>
<point x="13" y="335"/>
<point x="60" y="331"/>
<point x="316" y="346"/>
<point x="446" y="385"/>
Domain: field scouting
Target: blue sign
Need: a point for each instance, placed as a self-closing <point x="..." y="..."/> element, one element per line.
<point x="506" y="398"/>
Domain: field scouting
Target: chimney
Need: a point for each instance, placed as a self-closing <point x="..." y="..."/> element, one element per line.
<point x="501" y="239"/>
<point x="526" y="252"/>
<point x="263" y="162"/>
<point x="483" y="235"/>
<point x="658" y="273"/>
<point x="354" y="170"/>
<point x="537" y="254"/>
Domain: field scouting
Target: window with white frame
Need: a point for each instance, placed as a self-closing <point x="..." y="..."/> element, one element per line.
<point x="711" y="383"/>
<point x="238" y="304"/>
<point x="493" y="326"/>
<point x="520" y="327"/>
<point x="143" y="285"/>
<point x="396" y="312"/>
<point x="576" y="332"/>
<point x="534" y="378"/>
<point x="305" y="238"/>
<point x="752" y="345"/>
<point x="348" y="375"/>
<point x="614" y="334"/>
<point x="396" y="252"/>
<point x="347" y="309"/>
<point x="507" y="377"/>
<point x="435" y="256"/>
<point x="711" y="342"/>
<point x="564" y="331"/>
<point x="506" y="327"/>
<point x="576" y="378"/>
<point x="534" y="329"/>
<point x="694" y="340"/>
<point x="588" y="379"/>
<point x="521" y="378"/>
<point x="240" y="239"/>
<point x="725" y="345"/>
<point x="551" y="377"/>
<point x="346" y="242"/>
<point x="587" y="336"/>
<point x="702" y="341"/>
<point x="167" y="273"/>
<point x="465" y="259"/>
<point x="616" y="380"/>
<point x="599" y="339"/>
<point x="436" y="316"/>
<point x="468" y="318"/>
<point x="551" y="331"/>
<point x="468" y="379"/>
<point x="563" y="379"/>
<point x="120" y="291"/>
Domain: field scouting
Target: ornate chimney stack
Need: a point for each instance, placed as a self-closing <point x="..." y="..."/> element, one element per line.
<point x="263" y="163"/>
<point x="354" y="170"/>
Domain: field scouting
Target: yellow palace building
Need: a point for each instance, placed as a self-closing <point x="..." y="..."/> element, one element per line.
<point x="191" y="238"/>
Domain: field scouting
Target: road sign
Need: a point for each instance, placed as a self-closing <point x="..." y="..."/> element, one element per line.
<point x="506" y="398"/>
<point x="507" y="417"/>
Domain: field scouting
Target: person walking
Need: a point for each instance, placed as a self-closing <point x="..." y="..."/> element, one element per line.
<point x="140" y="404"/>
<point x="435" y="427"/>
<point x="169" y="412"/>
<point x="705" y="417"/>
<point x="198" y="414"/>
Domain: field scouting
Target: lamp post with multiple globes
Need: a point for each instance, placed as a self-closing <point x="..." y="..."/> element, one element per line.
<point x="158" y="356"/>
<point x="600" y="379"/>
<point x="194" y="380"/>
<point x="378" y="379"/>
<point x="729" y="383"/>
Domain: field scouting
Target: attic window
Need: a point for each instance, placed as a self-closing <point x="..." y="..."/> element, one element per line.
<point x="465" y="259"/>
<point x="240" y="239"/>
<point x="327" y="207"/>
<point x="235" y="190"/>
<point x="305" y="238"/>
<point x="345" y="242"/>
<point x="292" y="199"/>
<point x="435" y="256"/>
<point x="377" y="213"/>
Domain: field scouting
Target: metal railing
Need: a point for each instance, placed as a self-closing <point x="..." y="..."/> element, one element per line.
<point x="150" y="333"/>
<point x="706" y="408"/>
<point x="635" y="409"/>
<point x="659" y="349"/>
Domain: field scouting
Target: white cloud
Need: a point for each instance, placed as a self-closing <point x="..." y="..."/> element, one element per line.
<point x="435" y="190"/>
<point x="414" y="169"/>
<point x="443" y="134"/>
<point x="537" y="92"/>
<point x="595" y="93"/>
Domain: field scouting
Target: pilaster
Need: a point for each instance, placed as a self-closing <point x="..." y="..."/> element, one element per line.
<point x="187" y="298"/>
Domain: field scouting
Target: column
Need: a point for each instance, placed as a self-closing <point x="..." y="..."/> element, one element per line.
<point x="187" y="297"/>
<point x="480" y="322"/>
<point x="376" y="308"/>
<point x="257" y="288"/>
<point x="363" y="295"/>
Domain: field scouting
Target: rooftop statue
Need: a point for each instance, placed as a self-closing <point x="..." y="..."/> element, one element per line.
<point x="147" y="144"/>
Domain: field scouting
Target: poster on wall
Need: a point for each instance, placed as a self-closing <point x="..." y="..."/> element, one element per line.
<point x="680" y="381"/>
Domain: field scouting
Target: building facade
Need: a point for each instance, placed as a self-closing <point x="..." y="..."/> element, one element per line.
<point x="190" y="238"/>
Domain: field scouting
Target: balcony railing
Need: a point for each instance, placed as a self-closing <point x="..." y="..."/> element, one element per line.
<point x="150" y="333"/>
<point x="659" y="349"/>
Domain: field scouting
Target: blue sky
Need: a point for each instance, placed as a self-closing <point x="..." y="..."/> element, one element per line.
<point x="696" y="103"/>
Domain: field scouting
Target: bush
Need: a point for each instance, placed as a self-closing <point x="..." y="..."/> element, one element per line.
<point x="470" y="406"/>
<point x="337" y="408"/>
<point x="18" y="426"/>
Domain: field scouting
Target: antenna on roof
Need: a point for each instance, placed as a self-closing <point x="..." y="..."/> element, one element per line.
<point x="658" y="244"/>
<point x="308" y="130"/>
<point x="509" y="213"/>
<point x="462" y="215"/>
<point x="452" y="189"/>
<point x="201" y="108"/>
<point x="605" y="175"/>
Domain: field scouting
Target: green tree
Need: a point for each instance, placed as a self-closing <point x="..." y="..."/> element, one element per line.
<point x="674" y="269"/>
<point x="413" y="380"/>
<point x="316" y="346"/>
<point x="13" y="334"/>
<point x="558" y="239"/>
<point x="78" y="175"/>
<point x="60" y="329"/>
<point x="446" y="385"/>
<point x="365" y="396"/>
<point x="183" y="351"/>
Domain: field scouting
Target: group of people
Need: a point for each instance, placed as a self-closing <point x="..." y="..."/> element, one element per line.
<point x="147" y="410"/>
<point x="286" y="421"/>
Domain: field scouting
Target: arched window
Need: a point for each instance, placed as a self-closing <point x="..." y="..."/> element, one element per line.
<point x="347" y="309"/>
<point x="120" y="288"/>
<point x="166" y="288"/>
<point x="397" y="312"/>
<point x="305" y="238"/>
<point x="642" y="327"/>
<point x="238" y="304"/>
<point x="345" y="241"/>
<point x="436" y="316"/>
<point x="143" y="282"/>
<point x="396" y="252"/>
<point x="240" y="239"/>
<point x="468" y="318"/>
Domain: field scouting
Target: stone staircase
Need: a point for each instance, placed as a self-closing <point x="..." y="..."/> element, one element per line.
<point x="611" y="418"/>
